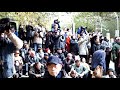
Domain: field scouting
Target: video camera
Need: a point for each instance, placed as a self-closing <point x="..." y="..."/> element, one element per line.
<point x="56" y="21"/>
<point x="6" y="24"/>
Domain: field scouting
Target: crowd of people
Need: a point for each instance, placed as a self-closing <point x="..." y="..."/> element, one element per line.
<point x="60" y="54"/>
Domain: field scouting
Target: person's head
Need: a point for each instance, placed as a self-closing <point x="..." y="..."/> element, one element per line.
<point x="36" y="34"/>
<point x="2" y="35"/>
<point x="32" y="53"/>
<point x="25" y="42"/>
<point x="73" y="73"/>
<point x="17" y="53"/>
<point x="97" y="40"/>
<point x="37" y="65"/>
<point x="40" y="48"/>
<point x="82" y="30"/>
<point x="73" y="37"/>
<point x="110" y="71"/>
<point x="29" y="50"/>
<point x="59" y="50"/>
<point x="69" y="56"/>
<point x="26" y="45"/>
<point x="102" y="47"/>
<point x="46" y="56"/>
<point x="47" y="50"/>
<point x="54" y="65"/>
<point x="63" y="50"/>
<point x="105" y="39"/>
<point x="115" y="39"/>
<point x="77" y="60"/>
<point x="56" y="33"/>
<point x="118" y="39"/>
<point x="55" y="26"/>
<point x="83" y="60"/>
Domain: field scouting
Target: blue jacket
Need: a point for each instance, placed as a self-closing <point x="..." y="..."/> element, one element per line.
<point x="7" y="56"/>
<point x="7" y="47"/>
<point x="99" y="59"/>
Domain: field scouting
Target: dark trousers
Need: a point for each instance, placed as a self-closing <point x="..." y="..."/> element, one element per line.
<point x="108" y="57"/>
<point x="1" y="71"/>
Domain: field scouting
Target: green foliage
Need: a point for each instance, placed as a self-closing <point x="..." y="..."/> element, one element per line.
<point x="87" y="19"/>
<point x="43" y="18"/>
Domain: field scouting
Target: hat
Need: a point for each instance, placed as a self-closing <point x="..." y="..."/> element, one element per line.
<point x="54" y="59"/>
<point x="46" y="50"/>
<point x="25" y="42"/>
<point x="110" y="69"/>
<point x="58" y="48"/>
<point x="117" y="38"/>
<point x="46" y="54"/>
<point x="77" y="58"/>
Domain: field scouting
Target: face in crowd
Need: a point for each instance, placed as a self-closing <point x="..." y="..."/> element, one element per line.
<point x="54" y="69"/>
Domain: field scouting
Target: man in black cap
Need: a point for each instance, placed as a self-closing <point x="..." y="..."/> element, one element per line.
<point x="54" y="68"/>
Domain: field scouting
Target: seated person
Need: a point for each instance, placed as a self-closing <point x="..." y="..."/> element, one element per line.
<point x="80" y="69"/>
<point x="18" y="62"/>
<point x="54" y="68"/>
<point x="36" y="71"/>
<point x="73" y="74"/>
<point x="110" y="74"/>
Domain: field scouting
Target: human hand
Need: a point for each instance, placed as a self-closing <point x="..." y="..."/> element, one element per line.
<point x="38" y="75"/>
<point x="7" y="32"/>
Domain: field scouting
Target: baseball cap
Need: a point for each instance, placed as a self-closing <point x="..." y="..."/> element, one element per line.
<point x="110" y="69"/>
<point x="117" y="38"/>
<point x="25" y="42"/>
<point x="46" y="54"/>
<point x="54" y="59"/>
<point x="77" y="58"/>
<point x="46" y="50"/>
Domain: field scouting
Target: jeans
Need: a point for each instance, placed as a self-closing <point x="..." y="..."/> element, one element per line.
<point x="35" y="46"/>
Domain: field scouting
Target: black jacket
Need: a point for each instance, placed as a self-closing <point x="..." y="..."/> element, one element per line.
<point x="33" y="71"/>
<point x="74" y="48"/>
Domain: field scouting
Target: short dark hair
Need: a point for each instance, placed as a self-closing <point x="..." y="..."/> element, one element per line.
<point x="102" y="47"/>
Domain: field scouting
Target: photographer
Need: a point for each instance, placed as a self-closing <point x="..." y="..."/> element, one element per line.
<point x="8" y="43"/>
<point x="56" y="21"/>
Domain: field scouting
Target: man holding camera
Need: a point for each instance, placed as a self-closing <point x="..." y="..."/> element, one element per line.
<point x="9" y="42"/>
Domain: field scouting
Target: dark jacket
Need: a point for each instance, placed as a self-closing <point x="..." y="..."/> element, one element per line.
<point x="99" y="59"/>
<point x="116" y="54"/>
<point x="115" y="50"/>
<point x="74" y="48"/>
<point x="57" y="42"/>
<point x="62" y="74"/>
<point x="33" y="71"/>
<point x="30" y="59"/>
<point x="29" y="30"/>
<point x="67" y="64"/>
<point x="95" y="47"/>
